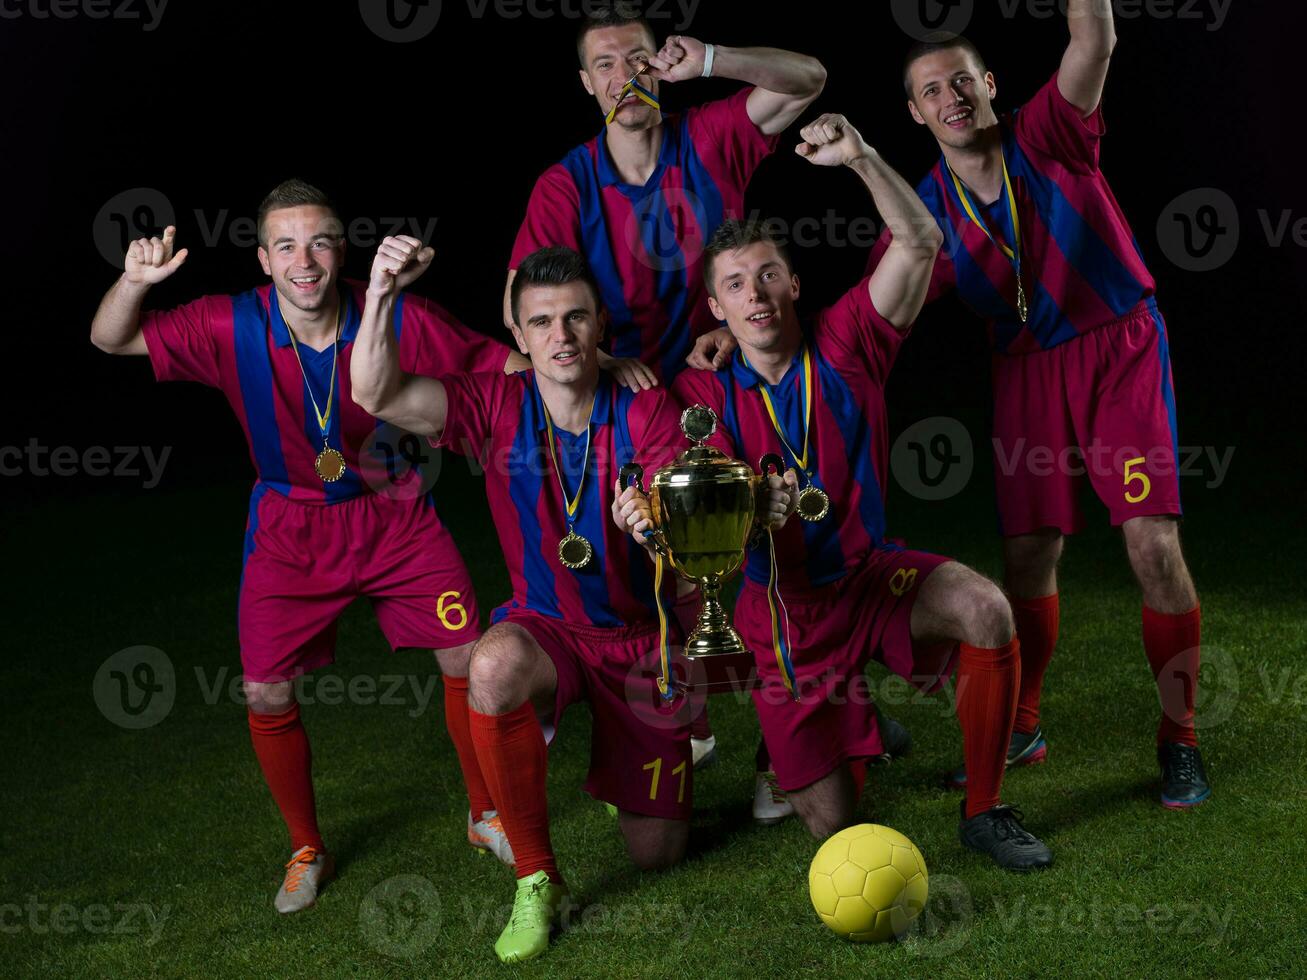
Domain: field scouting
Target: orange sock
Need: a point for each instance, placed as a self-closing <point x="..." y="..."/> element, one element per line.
<point x="988" y="681"/>
<point x="1037" y="622"/>
<point x="478" y="794"/>
<point x="513" y="755"/>
<point x="1172" y="643"/>
<point x="282" y="747"/>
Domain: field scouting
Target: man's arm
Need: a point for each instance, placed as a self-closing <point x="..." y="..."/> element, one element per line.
<point x="116" y="328"/>
<point x="377" y="383"/>
<point x="785" y="83"/>
<point x="898" y="286"/>
<point x="1084" y="65"/>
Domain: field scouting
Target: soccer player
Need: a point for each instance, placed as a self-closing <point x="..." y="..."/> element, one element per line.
<point x="1039" y="247"/>
<point x="582" y="624"/>
<point x="815" y="395"/>
<point x="318" y="534"/>
<point x="640" y="200"/>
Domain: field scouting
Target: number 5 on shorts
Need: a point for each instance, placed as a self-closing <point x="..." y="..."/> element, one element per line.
<point x="443" y="610"/>
<point x="1147" y="488"/>
<point x="657" y="767"/>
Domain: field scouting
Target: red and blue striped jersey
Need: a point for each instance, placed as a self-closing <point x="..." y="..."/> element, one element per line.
<point x="500" y="421"/>
<point x="853" y="348"/>
<point x="1081" y="265"/>
<point x="645" y="243"/>
<point x="241" y="345"/>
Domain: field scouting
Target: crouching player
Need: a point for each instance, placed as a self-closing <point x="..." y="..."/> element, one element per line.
<point x="582" y="623"/>
<point x="815" y="394"/>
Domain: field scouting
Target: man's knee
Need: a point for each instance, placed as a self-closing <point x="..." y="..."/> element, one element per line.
<point x="987" y="616"/>
<point x="655" y="845"/>
<point x="1154" y="550"/>
<point x="268" y="699"/>
<point x="500" y="671"/>
<point x="455" y="661"/>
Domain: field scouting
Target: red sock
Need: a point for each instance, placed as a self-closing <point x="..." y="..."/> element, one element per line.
<point x="1172" y="643"/>
<point x="478" y="794"/>
<point x="988" y="681"/>
<point x="686" y="613"/>
<point x="513" y="755"/>
<point x="1037" y="621"/>
<point x="858" y="770"/>
<point x="282" y="747"/>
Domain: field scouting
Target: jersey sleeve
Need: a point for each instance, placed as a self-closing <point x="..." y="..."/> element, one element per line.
<point x="473" y="402"/>
<point x="656" y="428"/>
<point x="695" y="387"/>
<point x="433" y="342"/>
<point x="852" y="329"/>
<point x="184" y="344"/>
<point x="942" y="277"/>
<point x="553" y="216"/>
<point x="1052" y="127"/>
<point x="727" y="140"/>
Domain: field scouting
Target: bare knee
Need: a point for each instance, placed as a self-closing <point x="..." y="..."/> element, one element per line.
<point x="1030" y="563"/>
<point x="821" y="824"/>
<point x="269" y="699"/>
<point x="500" y="671"/>
<point x="455" y="661"/>
<point x="654" y="844"/>
<point x="986" y="616"/>
<point x="1154" y="550"/>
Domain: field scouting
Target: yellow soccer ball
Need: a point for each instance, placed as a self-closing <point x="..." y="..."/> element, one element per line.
<point x="868" y="883"/>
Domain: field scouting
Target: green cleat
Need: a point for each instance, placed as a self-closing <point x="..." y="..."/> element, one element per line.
<point x="537" y="908"/>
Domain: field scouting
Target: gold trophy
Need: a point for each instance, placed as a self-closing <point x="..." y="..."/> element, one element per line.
<point x="703" y="511"/>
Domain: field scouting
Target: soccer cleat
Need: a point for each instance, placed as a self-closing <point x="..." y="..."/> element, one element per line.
<point x="487" y="835"/>
<point x="770" y="802"/>
<point x="1184" y="780"/>
<point x="1022" y="750"/>
<point x="894" y="738"/>
<point x="307" y="871"/>
<point x="703" y="751"/>
<point x="998" y="833"/>
<point x="538" y="906"/>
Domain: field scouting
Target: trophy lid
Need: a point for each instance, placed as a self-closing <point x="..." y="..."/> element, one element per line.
<point x="701" y="462"/>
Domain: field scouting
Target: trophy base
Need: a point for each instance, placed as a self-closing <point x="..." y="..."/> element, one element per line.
<point x="720" y="673"/>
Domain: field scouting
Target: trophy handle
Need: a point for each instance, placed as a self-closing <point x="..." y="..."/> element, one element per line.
<point x="769" y="462"/>
<point x="624" y="480"/>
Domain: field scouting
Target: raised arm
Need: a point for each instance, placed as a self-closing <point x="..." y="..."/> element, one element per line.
<point x="377" y="383"/>
<point x="785" y="83"/>
<point x="116" y="328"/>
<point x="899" y="284"/>
<point x="1084" y="65"/>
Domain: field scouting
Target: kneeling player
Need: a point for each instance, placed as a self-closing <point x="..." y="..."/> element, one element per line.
<point x="815" y="394"/>
<point x="582" y="624"/>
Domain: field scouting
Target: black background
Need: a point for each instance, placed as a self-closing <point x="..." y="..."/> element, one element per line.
<point x="218" y="103"/>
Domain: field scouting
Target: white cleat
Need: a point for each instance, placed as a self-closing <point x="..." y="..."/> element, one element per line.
<point x="307" y="871"/>
<point x="703" y="751"/>
<point x="487" y="834"/>
<point x="770" y="803"/>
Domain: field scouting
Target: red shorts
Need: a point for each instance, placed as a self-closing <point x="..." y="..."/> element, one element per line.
<point x="834" y="631"/>
<point x="640" y="758"/>
<point x="1099" y="406"/>
<point x="304" y="563"/>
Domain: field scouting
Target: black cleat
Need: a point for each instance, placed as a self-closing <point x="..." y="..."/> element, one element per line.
<point x="1184" y="781"/>
<point x="894" y="738"/>
<point x="998" y="833"/>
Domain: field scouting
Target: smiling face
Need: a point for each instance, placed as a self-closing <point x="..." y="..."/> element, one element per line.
<point x="610" y="56"/>
<point x="952" y="95"/>
<point x="303" y="250"/>
<point x="559" y="329"/>
<point x="754" y="291"/>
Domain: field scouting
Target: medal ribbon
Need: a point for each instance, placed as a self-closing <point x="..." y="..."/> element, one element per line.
<point x="800" y="461"/>
<point x="780" y="638"/>
<point x="324" y="418"/>
<point x="572" y="504"/>
<point x="641" y="93"/>
<point x="664" y="646"/>
<point x="1013" y="253"/>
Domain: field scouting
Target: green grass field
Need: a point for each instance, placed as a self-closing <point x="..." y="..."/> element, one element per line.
<point x="156" y="852"/>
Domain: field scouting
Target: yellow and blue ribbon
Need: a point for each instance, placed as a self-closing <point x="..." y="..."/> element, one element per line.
<point x="780" y="637"/>
<point x="1013" y="253"/>
<point x="641" y="93"/>
<point x="664" y="644"/>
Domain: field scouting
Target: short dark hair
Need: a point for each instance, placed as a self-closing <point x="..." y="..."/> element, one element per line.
<point x="557" y="266"/>
<point x="293" y="193"/>
<point x="620" y="13"/>
<point x="731" y="235"/>
<point x="933" y="43"/>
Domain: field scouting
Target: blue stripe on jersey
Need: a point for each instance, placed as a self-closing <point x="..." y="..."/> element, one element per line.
<point x="624" y="451"/>
<point x="857" y="435"/>
<point x="254" y="371"/>
<point x="524" y="488"/>
<point x="594" y="237"/>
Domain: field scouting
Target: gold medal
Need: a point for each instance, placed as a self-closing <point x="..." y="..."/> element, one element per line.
<point x="814" y="505"/>
<point x="575" y="551"/>
<point x="330" y="465"/>
<point x="1023" y="310"/>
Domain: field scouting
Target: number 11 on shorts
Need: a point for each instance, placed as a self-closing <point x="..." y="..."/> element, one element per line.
<point x="657" y="768"/>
